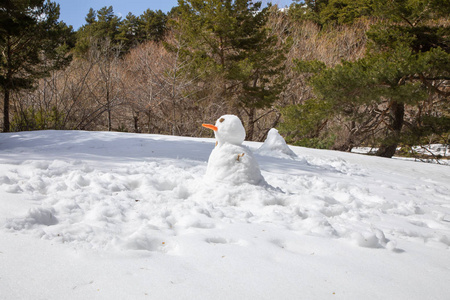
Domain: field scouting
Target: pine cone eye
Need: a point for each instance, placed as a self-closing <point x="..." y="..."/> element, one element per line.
<point x="221" y="120"/>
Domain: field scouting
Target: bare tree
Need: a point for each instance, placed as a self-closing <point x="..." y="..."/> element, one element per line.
<point x="106" y="87"/>
<point x="158" y="86"/>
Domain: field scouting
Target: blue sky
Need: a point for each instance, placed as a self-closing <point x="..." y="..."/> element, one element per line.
<point x="73" y="12"/>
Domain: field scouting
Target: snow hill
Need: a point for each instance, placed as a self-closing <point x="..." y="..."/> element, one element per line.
<point x="97" y="215"/>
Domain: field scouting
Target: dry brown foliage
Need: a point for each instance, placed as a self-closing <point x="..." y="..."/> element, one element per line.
<point x="149" y="90"/>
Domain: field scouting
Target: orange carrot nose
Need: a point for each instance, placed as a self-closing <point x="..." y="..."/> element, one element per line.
<point x="210" y="126"/>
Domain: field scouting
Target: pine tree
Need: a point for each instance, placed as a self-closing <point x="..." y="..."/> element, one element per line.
<point x="91" y="17"/>
<point x="101" y="27"/>
<point x="229" y="39"/>
<point x="150" y="26"/>
<point x="406" y="65"/>
<point x="153" y="25"/>
<point x="331" y="12"/>
<point x="345" y="11"/>
<point x="108" y="23"/>
<point x="32" y="43"/>
<point x="129" y="31"/>
<point x="414" y="27"/>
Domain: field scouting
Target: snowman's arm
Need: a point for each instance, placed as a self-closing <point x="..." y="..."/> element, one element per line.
<point x="239" y="156"/>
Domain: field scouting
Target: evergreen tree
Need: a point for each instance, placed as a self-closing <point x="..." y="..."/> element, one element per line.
<point x="229" y="39"/>
<point x="414" y="27"/>
<point x="104" y="25"/>
<point x="150" y="26"/>
<point x="107" y="23"/>
<point x="314" y="117"/>
<point x="129" y="31"/>
<point x="330" y="12"/>
<point x="101" y="27"/>
<point x="32" y="43"/>
<point x="406" y="65"/>
<point x="345" y="11"/>
<point x="153" y="25"/>
<point x="91" y="17"/>
<point x="307" y="9"/>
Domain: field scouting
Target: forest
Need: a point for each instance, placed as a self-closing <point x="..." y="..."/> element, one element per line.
<point x="331" y="74"/>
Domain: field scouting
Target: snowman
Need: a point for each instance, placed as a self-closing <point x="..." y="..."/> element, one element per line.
<point x="230" y="161"/>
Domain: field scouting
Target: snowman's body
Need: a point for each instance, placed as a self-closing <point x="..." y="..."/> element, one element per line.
<point x="230" y="161"/>
<point x="234" y="164"/>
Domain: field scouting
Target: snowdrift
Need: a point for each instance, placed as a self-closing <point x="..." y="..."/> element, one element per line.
<point x="115" y="215"/>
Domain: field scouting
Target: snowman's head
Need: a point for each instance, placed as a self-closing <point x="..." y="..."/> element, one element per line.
<point x="228" y="129"/>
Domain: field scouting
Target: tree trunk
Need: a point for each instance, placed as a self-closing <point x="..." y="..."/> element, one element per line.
<point x="346" y="144"/>
<point x="136" y="122"/>
<point x="6" y="88"/>
<point x="6" y="126"/>
<point x="251" y="124"/>
<point x="149" y="120"/>
<point x="389" y="146"/>
<point x="108" y="109"/>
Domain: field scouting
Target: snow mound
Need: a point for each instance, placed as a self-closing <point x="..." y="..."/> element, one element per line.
<point x="149" y="205"/>
<point x="141" y="205"/>
<point x="147" y="198"/>
<point x="275" y="145"/>
<point x="36" y="216"/>
<point x="234" y="164"/>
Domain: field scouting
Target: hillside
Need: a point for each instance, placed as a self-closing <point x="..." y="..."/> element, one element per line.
<point x="99" y="215"/>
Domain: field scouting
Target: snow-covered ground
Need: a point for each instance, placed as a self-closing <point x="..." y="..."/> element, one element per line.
<point x="434" y="149"/>
<point x="97" y="215"/>
<point x="437" y="153"/>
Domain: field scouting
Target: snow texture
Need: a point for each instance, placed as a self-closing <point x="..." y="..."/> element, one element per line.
<point x="98" y="215"/>
<point x="275" y="145"/>
<point x="437" y="153"/>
